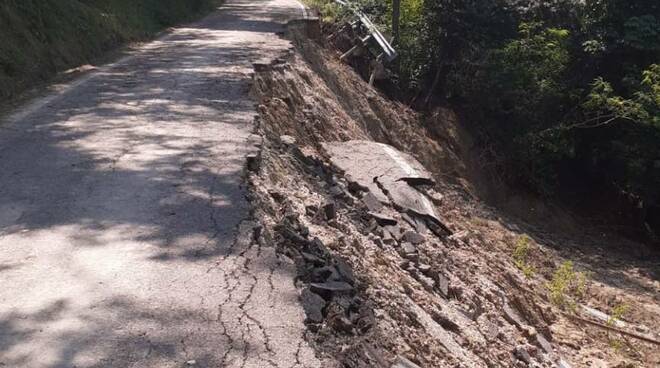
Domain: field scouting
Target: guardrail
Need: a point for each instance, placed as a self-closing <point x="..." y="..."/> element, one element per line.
<point x="388" y="51"/>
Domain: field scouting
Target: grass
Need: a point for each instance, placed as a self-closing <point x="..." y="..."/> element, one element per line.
<point x="39" y="38"/>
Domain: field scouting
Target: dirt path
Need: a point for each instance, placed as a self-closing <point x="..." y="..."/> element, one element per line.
<point x="119" y="203"/>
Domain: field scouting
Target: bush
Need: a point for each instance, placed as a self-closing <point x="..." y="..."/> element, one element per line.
<point x="567" y="286"/>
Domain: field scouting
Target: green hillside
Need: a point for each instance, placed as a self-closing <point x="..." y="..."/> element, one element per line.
<point x="39" y="38"/>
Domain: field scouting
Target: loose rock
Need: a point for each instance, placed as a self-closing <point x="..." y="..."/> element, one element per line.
<point x="521" y="353"/>
<point x="424" y="268"/>
<point x="443" y="285"/>
<point x="287" y="140"/>
<point x="327" y="289"/>
<point x="253" y="162"/>
<point x="372" y="203"/>
<point x="330" y="210"/>
<point x="313" y="305"/>
<point x="382" y="220"/>
<point x="345" y="271"/>
<point x="413" y="237"/>
<point x="409" y="251"/>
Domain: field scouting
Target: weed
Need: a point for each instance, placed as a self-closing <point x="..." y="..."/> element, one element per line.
<point x="581" y="279"/>
<point x="567" y="285"/>
<point x="615" y="316"/>
<point x="617" y="313"/>
<point x="615" y="344"/>
<point x="521" y="253"/>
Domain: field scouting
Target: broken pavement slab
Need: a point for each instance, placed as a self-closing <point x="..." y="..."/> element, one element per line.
<point x="388" y="174"/>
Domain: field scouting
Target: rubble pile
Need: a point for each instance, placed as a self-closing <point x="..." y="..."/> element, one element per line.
<point x="378" y="269"/>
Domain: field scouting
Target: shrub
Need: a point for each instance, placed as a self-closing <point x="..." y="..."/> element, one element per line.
<point x="566" y="286"/>
<point x="521" y="254"/>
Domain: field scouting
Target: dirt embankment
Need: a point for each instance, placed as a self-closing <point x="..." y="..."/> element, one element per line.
<point x="40" y="38"/>
<point x="385" y="284"/>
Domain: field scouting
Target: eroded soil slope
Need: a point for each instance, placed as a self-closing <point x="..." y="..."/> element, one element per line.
<point x="387" y="283"/>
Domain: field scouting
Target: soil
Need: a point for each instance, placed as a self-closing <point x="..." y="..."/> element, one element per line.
<point x="477" y="295"/>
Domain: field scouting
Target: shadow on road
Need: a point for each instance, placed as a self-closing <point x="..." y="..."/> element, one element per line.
<point x="140" y="165"/>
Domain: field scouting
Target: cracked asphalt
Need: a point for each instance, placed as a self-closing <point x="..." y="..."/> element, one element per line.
<point x="123" y="240"/>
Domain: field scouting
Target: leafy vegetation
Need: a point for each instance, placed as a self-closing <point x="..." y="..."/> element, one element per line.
<point x="567" y="286"/>
<point x="521" y="255"/>
<point x="572" y="98"/>
<point x="617" y="314"/>
<point x="567" y="92"/>
<point x="42" y="37"/>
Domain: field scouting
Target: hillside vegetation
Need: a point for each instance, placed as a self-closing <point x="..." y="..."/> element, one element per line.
<point x="563" y="95"/>
<point x="39" y="38"/>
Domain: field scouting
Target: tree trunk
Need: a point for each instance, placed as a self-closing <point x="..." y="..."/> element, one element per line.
<point x="396" y="12"/>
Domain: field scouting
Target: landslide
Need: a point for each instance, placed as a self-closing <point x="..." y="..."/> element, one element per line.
<point x="491" y="291"/>
<point x="39" y="38"/>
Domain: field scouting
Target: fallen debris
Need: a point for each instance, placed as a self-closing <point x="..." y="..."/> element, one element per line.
<point x="401" y="263"/>
<point x="615" y="329"/>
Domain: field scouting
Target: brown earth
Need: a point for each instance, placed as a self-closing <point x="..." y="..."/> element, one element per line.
<point x="479" y="297"/>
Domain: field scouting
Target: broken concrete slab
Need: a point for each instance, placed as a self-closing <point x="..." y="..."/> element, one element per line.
<point x="405" y="197"/>
<point x="416" y="222"/>
<point x="330" y="286"/>
<point x="382" y="220"/>
<point x="386" y="172"/>
<point x="372" y="203"/>
<point x="394" y="230"/>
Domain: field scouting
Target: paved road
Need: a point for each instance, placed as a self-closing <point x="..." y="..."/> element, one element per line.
<point x="119" y="204"/>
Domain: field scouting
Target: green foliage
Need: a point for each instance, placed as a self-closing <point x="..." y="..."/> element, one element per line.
<point x="565" y="90"/>
<point x="617" y="313"/>
<point x="615" y="316"/>
<point x="642" y="32"/>
<point x="643" y="107"/>
<point x="42" y="37"/>
<point x="566" y="286"/>
<point x="521" y="255"/>
<point x="519" y="89"/>
<point x="329" y="10"/>
<point x="525" y="76"/>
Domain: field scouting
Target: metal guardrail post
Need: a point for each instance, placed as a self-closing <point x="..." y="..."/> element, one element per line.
<point x="389" y="53"/>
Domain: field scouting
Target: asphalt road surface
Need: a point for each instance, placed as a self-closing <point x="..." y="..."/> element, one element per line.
<point x="120" y="200"/>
